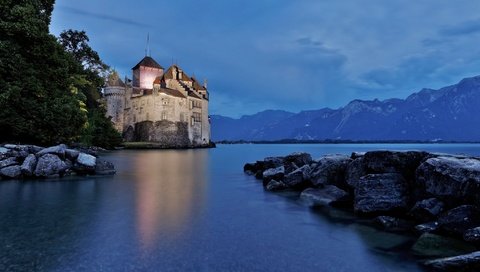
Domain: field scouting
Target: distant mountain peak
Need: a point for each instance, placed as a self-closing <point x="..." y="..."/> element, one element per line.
<point x="451" y="113"/>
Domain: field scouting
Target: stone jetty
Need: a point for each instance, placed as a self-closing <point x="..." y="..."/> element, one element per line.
<point x="436" y="196"/>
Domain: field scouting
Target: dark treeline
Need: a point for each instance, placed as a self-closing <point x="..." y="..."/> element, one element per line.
<point x="49" y="87"/>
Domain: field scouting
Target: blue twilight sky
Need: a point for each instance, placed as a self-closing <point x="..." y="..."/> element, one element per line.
<point x="284" y="54"/>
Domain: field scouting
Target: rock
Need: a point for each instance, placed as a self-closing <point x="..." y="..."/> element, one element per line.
<point x="330" y="170"/>
<point x="354" y="171"/>
<point x="249" y="168"/>
<point x="272" y="162"/>
<point x="427" y="227"/>
<point x="28" y="165"/>
<point x="467" y="262"/>
<point x="50" y="165"/>
<point x="11" y="146"/>
<point x="356" y="155"/>
<point x="405" y="162"/>
<point x="452" y="180"/>
<point x="8" y="162"/>
<point x="20" y="155"/>
<point x="71" y="154"/>
<point x="104" y="168"/>
<point x="458" y="220"/>
<point x="273" y="173"/>
<point x="299" y="159"/>
<point x="427" y="209"/>
<point x="433" y="245"/>
<point x="3" y="150"/>
<point x="329" y="195"/>
<point x="381" y="193"/>
<point x="85" y="164"/>
<point x="275" y="185"/>
<point x="472" y="235"/>
<point x="86" y="160"/>
<point x="11" y="172"/>
<point x="296" y="179"/>
<point x="34" y="149"/>
<point x="390" y="223"/>
<point x="58" y="150"/>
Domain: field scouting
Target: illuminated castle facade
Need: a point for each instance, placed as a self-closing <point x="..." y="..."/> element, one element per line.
<point x="167" y="107"/>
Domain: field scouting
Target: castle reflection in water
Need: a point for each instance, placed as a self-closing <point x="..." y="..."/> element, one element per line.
<point x="170" y="188"/>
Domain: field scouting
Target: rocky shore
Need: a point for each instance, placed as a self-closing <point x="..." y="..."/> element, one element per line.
<point x="434" y="196"/>
<point x="34" y="162"/>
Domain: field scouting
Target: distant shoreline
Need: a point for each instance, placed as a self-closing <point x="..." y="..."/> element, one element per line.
<point x="290" y="141"/>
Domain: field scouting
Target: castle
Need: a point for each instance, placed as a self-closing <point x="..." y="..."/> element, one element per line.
<point x="166" y="107"/>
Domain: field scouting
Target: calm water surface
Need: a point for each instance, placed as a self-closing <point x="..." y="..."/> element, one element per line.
<point x="190" y="210"/>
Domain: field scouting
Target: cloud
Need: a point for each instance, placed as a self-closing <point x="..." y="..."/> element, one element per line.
<point x="465" y="28"/>
<point x="101" y="16"/>
<point x="292" y="55"/>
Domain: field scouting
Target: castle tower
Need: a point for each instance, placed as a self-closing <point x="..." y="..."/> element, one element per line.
<point x="115" y="96"/>
<point x="145" y="72"/>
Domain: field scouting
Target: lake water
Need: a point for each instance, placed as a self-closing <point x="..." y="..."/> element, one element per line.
<point x="190" y="210"/>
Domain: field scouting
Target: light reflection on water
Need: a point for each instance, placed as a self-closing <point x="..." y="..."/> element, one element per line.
<point x="189" y="210"/>
<point x="170" y="187"/>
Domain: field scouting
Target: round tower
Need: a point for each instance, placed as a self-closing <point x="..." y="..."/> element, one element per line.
<point x="114" y="93"/>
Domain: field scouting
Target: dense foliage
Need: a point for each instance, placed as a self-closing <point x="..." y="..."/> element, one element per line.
<point x="48" y="88"/>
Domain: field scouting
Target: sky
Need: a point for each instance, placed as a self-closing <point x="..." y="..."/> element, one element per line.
<point x="289" y="55"/>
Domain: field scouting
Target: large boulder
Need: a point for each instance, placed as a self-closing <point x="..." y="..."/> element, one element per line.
<point x="273" y="162"/>
<point x="71" y="154"/>
<point x="8" y="162"/>
<point x="453" y="180"/>
<point x="404" y="162"/>
<point x="427" y="210"/>
<point x="28" y="165"/>
<point x="11" y="172"/>
<point x="85" y="164"/>
<point x="329" y="195"/>
<point x="104" y="168"/>
<point x="379" y="162"/>
<point x="296" y="160"/>
<point x="273" y="173"/>
<point x="354" y="171"/>
<point x="330" y="169"/>
<point x="468" y="262"/>
<point x="50" y="165"/>
<point x="297" y="179"/>
<point x="381" y="193"/>
<point x="58" y="150"/>
<point x="458" y="220"/>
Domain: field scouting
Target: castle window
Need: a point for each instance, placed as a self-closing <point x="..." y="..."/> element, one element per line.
<point x="192" y="121"/>
<point x="182" y="117"/>
<point x="196" y="104"/>
<point x="197" y="117"/>
<point x="164" y="116"/>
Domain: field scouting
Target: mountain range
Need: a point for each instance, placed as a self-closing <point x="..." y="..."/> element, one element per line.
<point x="451" y="113"/>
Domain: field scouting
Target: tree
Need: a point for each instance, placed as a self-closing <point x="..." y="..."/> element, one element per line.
<point x="99" y="130"/>
<point x="38" y="101"/>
